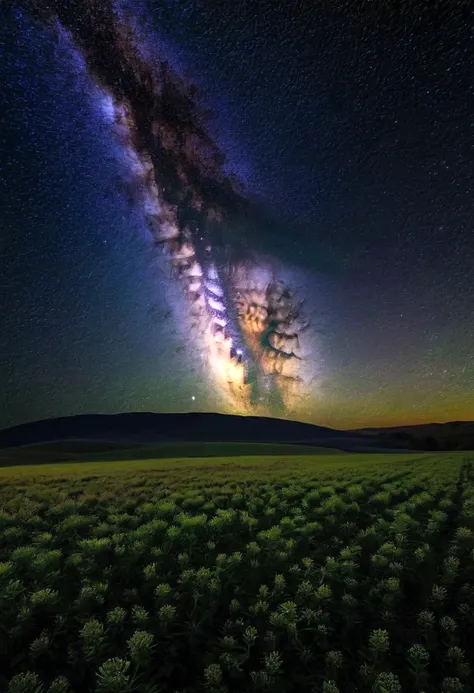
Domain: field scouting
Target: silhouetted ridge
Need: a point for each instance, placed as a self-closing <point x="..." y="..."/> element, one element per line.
<point x="148" y="427"/>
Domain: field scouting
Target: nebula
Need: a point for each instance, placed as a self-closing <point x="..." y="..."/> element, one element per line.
<point x="247" y="323"/>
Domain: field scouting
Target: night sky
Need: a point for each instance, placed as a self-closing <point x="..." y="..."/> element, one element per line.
<point x="350" y="126"/>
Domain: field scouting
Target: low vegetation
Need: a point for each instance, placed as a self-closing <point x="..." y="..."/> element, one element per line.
<point x="316" y="573"/>
<point x="98" y="451"/>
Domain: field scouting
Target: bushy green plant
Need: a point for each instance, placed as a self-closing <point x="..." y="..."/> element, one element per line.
<point x="27" y="682"/>
<point x="320" y="578"/>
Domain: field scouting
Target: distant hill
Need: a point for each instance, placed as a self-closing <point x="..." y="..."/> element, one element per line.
<point x="148" y="428"/>
<point x="454" y="435"/>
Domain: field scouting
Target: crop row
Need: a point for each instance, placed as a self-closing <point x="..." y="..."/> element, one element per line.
<point x="351" y="578"/>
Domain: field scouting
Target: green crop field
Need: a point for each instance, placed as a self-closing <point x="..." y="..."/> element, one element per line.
<point x="318" y="573"/>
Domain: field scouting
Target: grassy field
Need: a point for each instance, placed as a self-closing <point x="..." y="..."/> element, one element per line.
<point x="101" y="451"/>
<point x="284" y="572"/>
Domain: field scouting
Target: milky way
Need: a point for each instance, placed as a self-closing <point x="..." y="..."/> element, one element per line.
<point x="329" y="279"/>
<point x="246" y="323"/>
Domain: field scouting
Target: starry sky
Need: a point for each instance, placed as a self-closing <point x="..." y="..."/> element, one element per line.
<point x="350" y="123"/>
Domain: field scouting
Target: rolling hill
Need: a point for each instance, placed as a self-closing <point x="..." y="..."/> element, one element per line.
<point x="146" y="429"/>
<point x="454" y="435"/>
